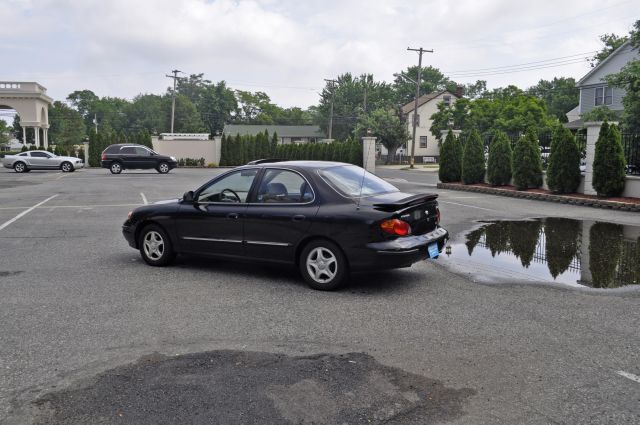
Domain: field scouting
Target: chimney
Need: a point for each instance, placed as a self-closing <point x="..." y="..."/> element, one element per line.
<point x="459" y="91"/>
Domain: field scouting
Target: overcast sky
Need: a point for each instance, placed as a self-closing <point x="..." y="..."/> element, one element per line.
<point x="286" y="47"/>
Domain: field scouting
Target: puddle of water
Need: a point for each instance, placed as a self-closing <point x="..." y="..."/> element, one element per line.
<point x="572" y="252"/>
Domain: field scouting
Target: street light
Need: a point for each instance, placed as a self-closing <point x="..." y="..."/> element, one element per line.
<point x="406" y="77"/>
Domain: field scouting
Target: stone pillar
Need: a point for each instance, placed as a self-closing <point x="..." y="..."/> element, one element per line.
<point x="369" y="154"/>
<point x="86" y="153"/>
<point x="585" y="271"/>
<point x="217" y="149"/>
<point x="24" y="136"/>
<point x="593" y="131"/>
<point x="45" y="136"/>
<point x="36" y="136"/>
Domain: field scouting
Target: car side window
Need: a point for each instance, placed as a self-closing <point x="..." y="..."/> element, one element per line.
<point x="24" y="154"/>
<point x="284" y="187"/>
<point x="142" y="151"/>
<point x="128" y="150"/>
<point x="233" y="188"/>
<point x="39" y="155"/>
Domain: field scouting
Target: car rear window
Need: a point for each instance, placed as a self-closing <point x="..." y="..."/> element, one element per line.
<point x="354" y="182"/>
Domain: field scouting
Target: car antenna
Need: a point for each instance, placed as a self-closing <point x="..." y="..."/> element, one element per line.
<point x="364" y="171"/>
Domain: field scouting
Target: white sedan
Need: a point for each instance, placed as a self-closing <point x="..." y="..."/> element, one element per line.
<point x="41" y="160"/>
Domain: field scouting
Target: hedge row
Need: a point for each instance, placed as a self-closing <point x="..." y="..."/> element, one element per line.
<point x="239" y="150"/>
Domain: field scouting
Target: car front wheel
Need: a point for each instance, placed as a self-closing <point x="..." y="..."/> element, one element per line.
<point x="163" y="168"/>
<point x="19" y="167"/>
<point x="66" y="167"/>
<point x="323" y="265"/>
<point x="115" y="168"/>
<point x="155" y="246"/>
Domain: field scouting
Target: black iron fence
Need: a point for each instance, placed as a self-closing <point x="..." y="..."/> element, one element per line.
<point x="631" y="147"/>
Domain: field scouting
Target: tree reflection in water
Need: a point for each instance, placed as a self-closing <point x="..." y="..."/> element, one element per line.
<point x="562" y="242"/>
<point x="557" y="242"/>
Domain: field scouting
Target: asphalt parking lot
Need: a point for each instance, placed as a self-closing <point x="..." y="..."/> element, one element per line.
<point x="78" y="307"/>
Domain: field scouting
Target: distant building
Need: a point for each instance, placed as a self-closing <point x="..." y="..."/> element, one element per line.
<point x="594" y="90"/>
<point x="286" y="133"/>
<point x="427" y="149"/>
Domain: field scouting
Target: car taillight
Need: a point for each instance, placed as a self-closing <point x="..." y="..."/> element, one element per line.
<point x="396" y="227"/>
<point x="437" y="215"/>
<point x="104" y="156"/>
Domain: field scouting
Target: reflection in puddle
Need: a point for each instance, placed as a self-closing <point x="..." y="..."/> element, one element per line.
<point x="574" y="252"/>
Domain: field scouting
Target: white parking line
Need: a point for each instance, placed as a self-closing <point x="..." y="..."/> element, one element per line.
<point x="23" y="213"/>
<point x="628" y="375"/>
<point x="144" y="198"/>
<point x="71" y="206"/>
<point x="465" y="205"/>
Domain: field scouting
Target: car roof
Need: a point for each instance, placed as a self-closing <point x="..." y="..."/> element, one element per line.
<point x="300" y="164"/>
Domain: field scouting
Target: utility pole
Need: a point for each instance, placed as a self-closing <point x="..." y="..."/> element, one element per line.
<point x="173" y="97"/>
<point x="333" y="91"/>
<point x="415" y="105"/>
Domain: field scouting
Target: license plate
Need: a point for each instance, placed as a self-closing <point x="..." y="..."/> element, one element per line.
<point x="432" y="248"/>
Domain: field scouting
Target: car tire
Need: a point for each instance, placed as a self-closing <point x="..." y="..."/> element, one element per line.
<point x="20" y="167"/>
<point x="155" y="246"/>
<point x="115" y="168"/>
<point x="66" y="167"/>
<point x="163" y="168"/>
<point x="323" y="265"/>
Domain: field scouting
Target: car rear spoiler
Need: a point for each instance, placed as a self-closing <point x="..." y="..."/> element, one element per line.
<point x="403" y="203"/>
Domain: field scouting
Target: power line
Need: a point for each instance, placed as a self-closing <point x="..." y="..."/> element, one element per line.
<point x="522" y="64"/>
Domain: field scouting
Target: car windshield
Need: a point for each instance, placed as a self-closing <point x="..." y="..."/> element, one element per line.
<point x="353" y="181"/>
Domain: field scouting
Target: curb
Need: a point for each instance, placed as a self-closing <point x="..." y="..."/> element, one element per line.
<point x="564" y="199"/>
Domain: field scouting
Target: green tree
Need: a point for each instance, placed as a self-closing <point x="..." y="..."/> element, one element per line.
<point x="560" y="95"/>
<point x="605" y="250"/>
<point x="473" y="168"/>
<point x="601" y="113"/>
<point x="563" y="172"/>
<point x="5" y="132"/>
<point x="67" y="126"/>
<point x="527" y="162"/>
<point x="523" y="240"/>
<point x="610" y="42"/>
<point x="385" y="124"/>
<point x="147" y="111"/>
<point x="348" y="95"/>
<point x="431" y="79"/>
<point x="500" y="160"/>
<point x="450" y="117"/>
<point x="450" y="159"/>
<point x="609" y="162"/>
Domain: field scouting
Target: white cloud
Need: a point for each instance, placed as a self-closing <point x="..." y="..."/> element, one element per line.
<point x="286" y="48"/>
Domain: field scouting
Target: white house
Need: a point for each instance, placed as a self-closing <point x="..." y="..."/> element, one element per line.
<point x="594" y="90"/>
<point x="427" y="149"/>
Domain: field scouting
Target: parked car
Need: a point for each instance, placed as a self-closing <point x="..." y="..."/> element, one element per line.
<point x="41" y="160"/>
<point x="327" y="218"/>
<point x="129" y="156"/>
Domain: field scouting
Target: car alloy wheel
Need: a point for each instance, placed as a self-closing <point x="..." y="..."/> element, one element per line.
<point x="19" y="167"/>
<point x="155" y="246"/>
<point x="116" y="168"/>
<point x="323" y="265"/>
<point x="163" y="168"/>
<point x="66" y="167"/>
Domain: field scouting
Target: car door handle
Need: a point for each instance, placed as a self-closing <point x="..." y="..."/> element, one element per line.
<point x="298" y="217"/>
<point x="233" y="216"/>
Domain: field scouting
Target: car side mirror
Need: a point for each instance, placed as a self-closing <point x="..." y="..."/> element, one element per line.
<point x="188" y="196"/>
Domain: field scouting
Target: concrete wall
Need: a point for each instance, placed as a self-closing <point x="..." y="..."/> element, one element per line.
<point x="196" y="149"/>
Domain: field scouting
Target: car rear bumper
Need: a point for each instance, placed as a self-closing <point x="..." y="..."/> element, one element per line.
<point x="400" y="252"/>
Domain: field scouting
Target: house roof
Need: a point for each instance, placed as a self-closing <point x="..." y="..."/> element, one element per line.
<point x="424" y="99"/>
<point x="281" y="130"/>
<point x="602" y="63"/>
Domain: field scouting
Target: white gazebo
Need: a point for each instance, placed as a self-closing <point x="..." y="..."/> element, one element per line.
<point x="31" y="102"/>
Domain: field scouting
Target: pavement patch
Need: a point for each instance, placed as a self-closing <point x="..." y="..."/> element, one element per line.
<point x="236" y="387"/>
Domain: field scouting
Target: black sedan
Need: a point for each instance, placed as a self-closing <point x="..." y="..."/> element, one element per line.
<point x="326" y="218"/>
